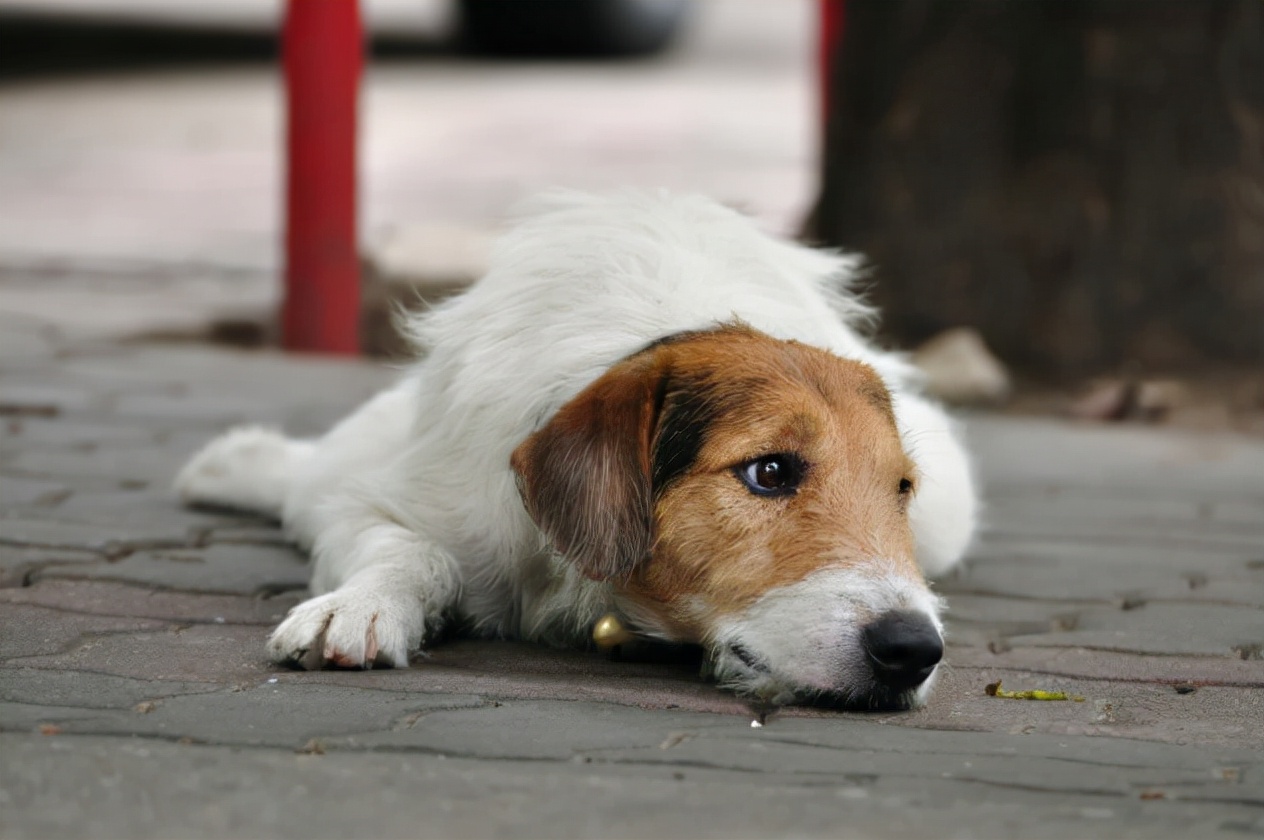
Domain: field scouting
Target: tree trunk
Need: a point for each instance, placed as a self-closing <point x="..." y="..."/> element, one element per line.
<point x="1083" y="181"/>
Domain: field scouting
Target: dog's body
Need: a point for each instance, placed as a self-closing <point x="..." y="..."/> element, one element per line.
<point x="623" y="352"/>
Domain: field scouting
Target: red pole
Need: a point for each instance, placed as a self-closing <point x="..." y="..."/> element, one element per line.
<point x="323" y="53"/>
<point x="833" y="14"/>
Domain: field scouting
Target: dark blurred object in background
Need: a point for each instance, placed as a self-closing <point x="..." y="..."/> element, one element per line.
<point x="1082" y="181"/>
<point x="587" y="28"/>
<point x="62" y="44"/>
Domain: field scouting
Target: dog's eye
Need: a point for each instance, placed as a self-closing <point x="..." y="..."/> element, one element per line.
<point x="772" y="475"/>
<point x="906" y="486"/>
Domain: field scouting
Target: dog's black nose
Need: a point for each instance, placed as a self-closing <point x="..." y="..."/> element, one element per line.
<point x="903" y="647"/>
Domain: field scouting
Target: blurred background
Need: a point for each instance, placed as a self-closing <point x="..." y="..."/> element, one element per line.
<point x="145" y="140"/>
<point x="1062" y="202"/>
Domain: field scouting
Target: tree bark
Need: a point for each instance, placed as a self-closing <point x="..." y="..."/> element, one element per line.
<point x="1081" y="180"/>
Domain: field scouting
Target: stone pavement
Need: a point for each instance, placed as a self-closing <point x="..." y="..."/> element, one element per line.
<point x="1122" y="564"/>
<point x="1125" y="565"/>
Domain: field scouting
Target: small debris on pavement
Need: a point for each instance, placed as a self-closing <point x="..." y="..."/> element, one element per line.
<point x="313" y="747"/>
<point x="675" y="738"/>
<point x="49" y="729"/>
<point x="995" y="690"/>
<point x="755" y="724"/>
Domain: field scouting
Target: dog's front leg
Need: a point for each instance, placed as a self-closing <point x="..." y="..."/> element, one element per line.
<point x="387" y="586"/>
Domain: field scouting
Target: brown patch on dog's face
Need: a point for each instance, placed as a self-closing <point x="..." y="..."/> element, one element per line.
<point x="741" y="464"/>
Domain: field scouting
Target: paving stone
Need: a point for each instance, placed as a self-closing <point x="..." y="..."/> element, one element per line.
<point x="287" y="716"/>
<point x="512" y="670"/>
<point x="857" y="733"/>
<point x="133" y="514"/>
<point x="536" y="730"/>
<point x="30" y="632"/>
<point x="1239" y="512"/>
<point x="1174" y="554"/>
<point x="1234" y="587"/>
<point x="243" y="569"/>
<point x="147" y="649"/>
<point x="26" y="531"/>
<point x="213" y="412"/>
<point x="242" y="530"/>
<point x="1105" y="771"/>
<point x="76" y="432"/>
<point x="224" y="371"/>
<point x="1160" y="628"/>
<point x="149" y="506"/>
<point x="136" y="787"/>
<point x="1096" y="512"/>
<point x="109" y="598"/>
<point x="992" y="617"/>
<point x="988" y="620"/>
<point x="235" y="654"/>
<point x="1059" y="572"/>
<point x="1113" y="665"/>
<point x="49" y="399"/>
<point x="1113" y="708"/>
<point x="17" y="563"/>
<point x="25" y="342"/>
<point x="1029" y="524"/>
<point x="1215" y="467"/>
<point x="81" y="690"/>
<point x="45" y="718"/>
<point x="202" y="410"/>
<point x="149" y="464"/>
<point x="244" y="387"/>
<point x="31" y="492"/>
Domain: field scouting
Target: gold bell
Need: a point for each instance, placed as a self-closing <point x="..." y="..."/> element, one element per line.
<point x="609" y="631"/>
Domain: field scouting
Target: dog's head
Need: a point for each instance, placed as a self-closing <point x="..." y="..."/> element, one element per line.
<point x="750" y="495"/>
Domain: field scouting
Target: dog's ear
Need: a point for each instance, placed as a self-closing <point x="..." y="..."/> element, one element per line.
<point x="585" y="476"/>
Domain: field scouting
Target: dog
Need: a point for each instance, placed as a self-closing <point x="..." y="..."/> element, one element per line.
<point x="646" y="407"/>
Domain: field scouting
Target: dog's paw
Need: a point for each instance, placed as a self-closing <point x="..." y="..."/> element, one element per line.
<point x="348" y="629"/>
<point x="248" y="468"/>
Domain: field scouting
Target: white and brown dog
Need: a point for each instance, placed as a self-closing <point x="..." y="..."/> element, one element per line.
<point x="646" y="407"/>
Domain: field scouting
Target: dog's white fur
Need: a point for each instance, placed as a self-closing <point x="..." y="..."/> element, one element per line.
<point x="409" y="507"/>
